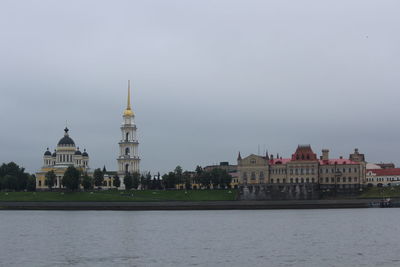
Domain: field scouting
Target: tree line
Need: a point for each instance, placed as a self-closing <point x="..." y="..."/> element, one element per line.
<point x="13" y="177"/>
<point x="216" y="178"/>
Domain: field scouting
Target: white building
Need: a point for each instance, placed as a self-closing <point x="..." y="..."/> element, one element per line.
<point x="383" y="177"/>
<point x="128" y="159"/>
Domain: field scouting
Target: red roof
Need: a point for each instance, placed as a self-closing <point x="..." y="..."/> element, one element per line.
<point x="322" y="162"/>
<point x="385" y="172"/>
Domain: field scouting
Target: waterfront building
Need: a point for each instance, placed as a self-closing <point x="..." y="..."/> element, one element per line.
<point x="303" y="168"/>
<point x="66" y="154"/>
<point x="383" y="177"/>
<point x="128" y="159"/>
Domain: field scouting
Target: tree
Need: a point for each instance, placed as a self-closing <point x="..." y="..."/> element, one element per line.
<point x="128" y="181"/>
<point x="135" y="180"/>
<point x="169" y="180"/>
<point x="205" y="179"/>
<point x="71" y="178"/>
<point x="50" y="179"/>
<point x="98" y="177"/>
<point x="9" y="182"/>
<point x="188" y="181"/>
<point x="17" y="177"/>
<point x="31" y="184"/>
<point x="117" y="181"/>
<point x="178" y="175"/>
<point x="87" y="182"/>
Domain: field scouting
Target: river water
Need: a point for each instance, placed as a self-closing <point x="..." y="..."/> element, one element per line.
<point x="336" y="237"/>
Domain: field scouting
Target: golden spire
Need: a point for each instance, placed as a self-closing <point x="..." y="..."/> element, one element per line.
<point x="128" y="111"/>
<point x="129" y="95"/>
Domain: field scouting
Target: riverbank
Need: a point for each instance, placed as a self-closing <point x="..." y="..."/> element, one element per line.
<point x="202" y="205"/>
<point x="120" y="196"/>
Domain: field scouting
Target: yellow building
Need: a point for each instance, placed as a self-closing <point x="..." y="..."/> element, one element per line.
<point x="66" y="154"/>
<point x="304" y="168"/>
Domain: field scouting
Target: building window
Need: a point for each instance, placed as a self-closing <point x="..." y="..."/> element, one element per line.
<point x="291" y="171"/>
<point x="253" y="175"/>
<point x="312" y="180"/>
<point x="283" y="180"/>
<point x="344" y="179"/>
<point x="277" y="180"/>
<point x="338" y="180"/>
<point x="261" y="175"/>
<point x="349" y="169"/>
<point x="355" y="179"/>
<point x="307" y="180"/>
<point x="302" y="180"/>
<point x="327" y="179"/>
<point x="297" y="180"/>
<point x="253" y="161"/>
<point x="326" y="170"/>
<point x="245" y="176"/>
<point x="127" y="137"/>
<point x="127" y="151"/>
<point x="349" y="179"/>
<point x="296" y="171"/>
<point x="307" y="171"/>
<point x="332" y="180"/>
<point x="355" y="169"/>
<point x="272" y="181"/>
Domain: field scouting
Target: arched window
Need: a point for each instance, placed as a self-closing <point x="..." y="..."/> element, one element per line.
<point x="127" y="151"/>
<point x="261" y="175"/>
<point x="253" y="175"/>
<point x="126" y="167"/>
<point x="126" y="136"/>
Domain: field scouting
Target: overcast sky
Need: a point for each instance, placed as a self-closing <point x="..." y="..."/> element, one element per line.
<point x="210" y="78"/>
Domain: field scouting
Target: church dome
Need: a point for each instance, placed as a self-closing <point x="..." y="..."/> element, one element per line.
<point x="66" y="140"/>
<point x="78" y="152"/>
<point x="85" y="154"/>
<point x="47" y="153"/>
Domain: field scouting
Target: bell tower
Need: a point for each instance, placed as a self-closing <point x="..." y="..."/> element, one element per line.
<point x="128" y="160"/>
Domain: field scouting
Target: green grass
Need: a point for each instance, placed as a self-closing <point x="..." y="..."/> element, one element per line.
<point x="381" y="192"/>
<point x="114" y="195"/>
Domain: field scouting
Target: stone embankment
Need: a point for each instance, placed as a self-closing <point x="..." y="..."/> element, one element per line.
<point x="202" y="205"/>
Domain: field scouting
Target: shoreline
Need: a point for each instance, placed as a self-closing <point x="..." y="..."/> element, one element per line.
<point x="183" y="205"/>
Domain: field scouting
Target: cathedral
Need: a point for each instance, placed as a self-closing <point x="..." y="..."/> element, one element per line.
<point x="67" y="154"/>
